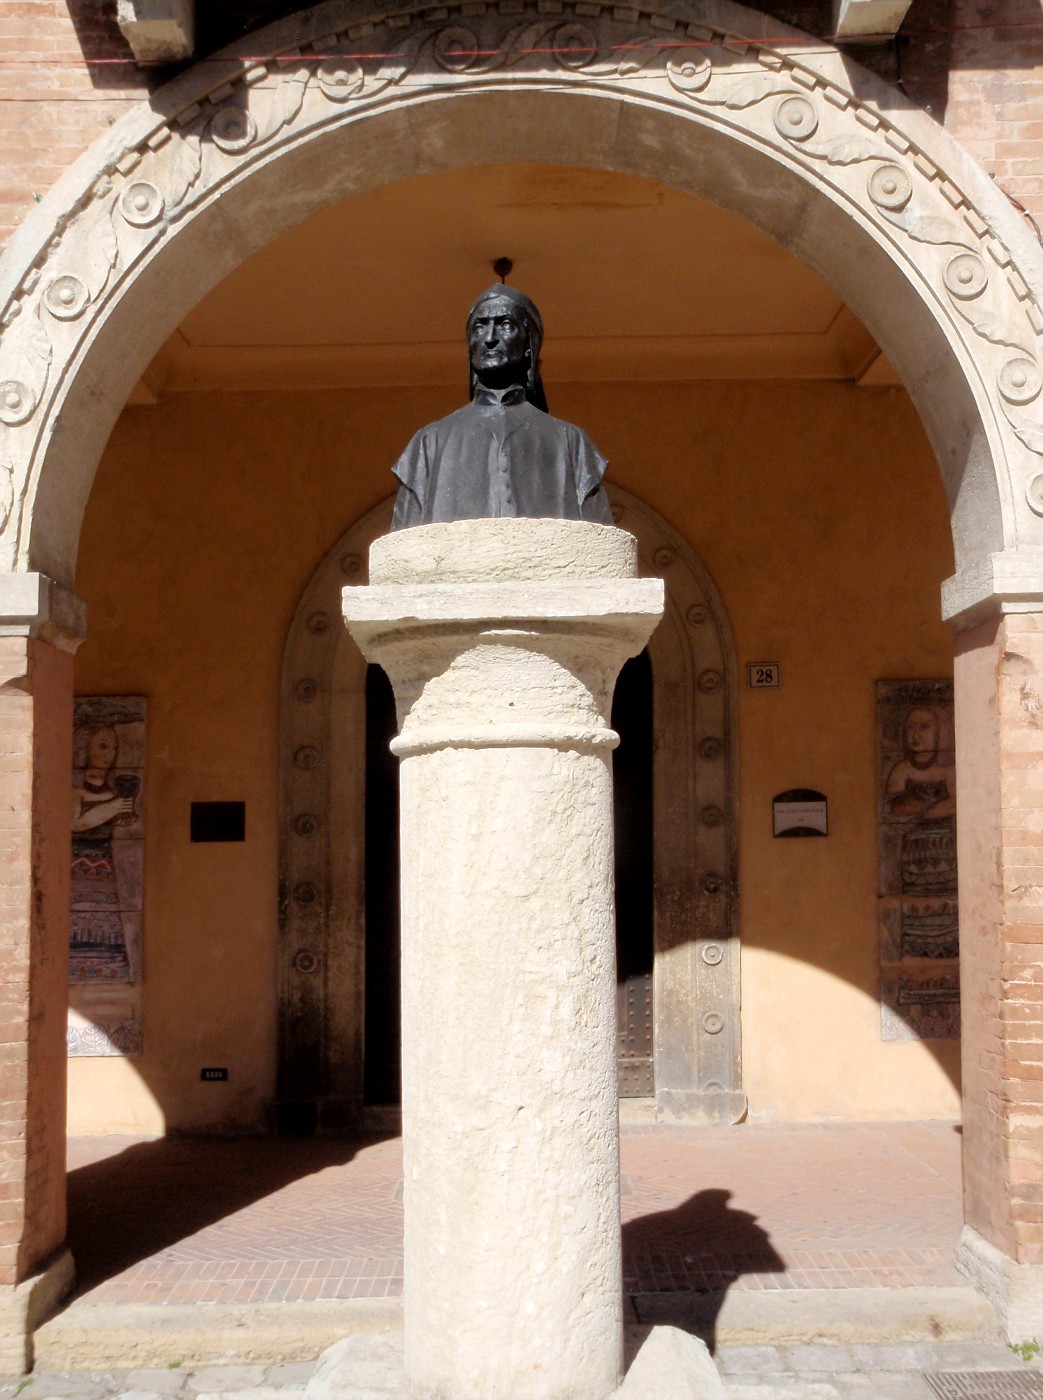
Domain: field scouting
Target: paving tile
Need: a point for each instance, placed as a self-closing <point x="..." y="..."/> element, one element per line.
<point x="750" y="1361"/>
<point x="814" y="1358"/>
<point x="291" y="1373"/>
<point x="881" y="1385"/>
<point x="904" y="1356"/>
<point x="217" y="1379"/>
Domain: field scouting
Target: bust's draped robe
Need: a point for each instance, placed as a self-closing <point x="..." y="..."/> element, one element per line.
<point x="500" y="456"/>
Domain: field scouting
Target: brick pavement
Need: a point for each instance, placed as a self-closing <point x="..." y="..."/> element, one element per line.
<point x="753" y="1207"/>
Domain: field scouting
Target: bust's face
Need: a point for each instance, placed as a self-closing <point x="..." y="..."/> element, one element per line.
<point x="498" y="343"/>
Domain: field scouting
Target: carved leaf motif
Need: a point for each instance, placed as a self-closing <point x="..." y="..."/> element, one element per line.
<point x="287" y="101"/>
<point x="399" y="64"/>
<point x="25" y="353"/>
<point x="636" y="55"/>
<point x="185" y="163"/>
<point x="925" y="228"/>
<point x="517" y="44"/>
<point x="1030" y="433"/>
<point x="847" y="150"/>
<point x="752" y="91"/>
<point x="6" y="493"/>
<point x="989" y="328"/>
<point x="103" y="252"/>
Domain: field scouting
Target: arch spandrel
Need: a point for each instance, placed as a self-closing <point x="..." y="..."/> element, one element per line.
<point x="787" y="132"/>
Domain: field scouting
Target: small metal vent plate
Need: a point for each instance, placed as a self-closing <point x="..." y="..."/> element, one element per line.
<point x="987" y="1385"/>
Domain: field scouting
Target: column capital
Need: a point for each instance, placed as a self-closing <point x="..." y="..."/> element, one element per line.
<point x="1007" y="581"/>
<point x="33" y="605"/>
<point x="522" y="653"/>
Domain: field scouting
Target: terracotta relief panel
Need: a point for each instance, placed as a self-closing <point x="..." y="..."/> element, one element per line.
<point x="107" y="876"/>
<point x="917" y="905"/>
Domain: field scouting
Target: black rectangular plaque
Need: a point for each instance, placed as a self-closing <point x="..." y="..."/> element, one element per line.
<point x="218" y="821"/>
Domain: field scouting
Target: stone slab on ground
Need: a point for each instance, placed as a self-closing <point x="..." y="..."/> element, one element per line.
<point x="669" y="1364"/>
<point x="361" y="1368"/>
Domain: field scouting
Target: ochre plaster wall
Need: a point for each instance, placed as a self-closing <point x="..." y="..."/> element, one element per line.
<point x="818" y="512"/>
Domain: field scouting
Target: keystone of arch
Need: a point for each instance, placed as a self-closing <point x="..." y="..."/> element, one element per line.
<point x="782" y="129"/>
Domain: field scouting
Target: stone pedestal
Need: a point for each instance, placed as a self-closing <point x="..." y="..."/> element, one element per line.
<point x="503" y="640"/>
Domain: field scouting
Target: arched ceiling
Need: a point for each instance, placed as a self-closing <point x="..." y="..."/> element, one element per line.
<point x="634" y="280"/>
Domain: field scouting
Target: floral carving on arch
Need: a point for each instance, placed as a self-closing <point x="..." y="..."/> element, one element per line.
<point x="931" y="210"/>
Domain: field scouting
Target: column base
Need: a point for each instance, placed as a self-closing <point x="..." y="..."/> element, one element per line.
<point x="24" y="1306"/>
<point x="1014" y="1290"/>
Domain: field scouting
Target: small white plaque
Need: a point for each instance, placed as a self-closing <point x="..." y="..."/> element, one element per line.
<point x="763" y="675"/>
<point x="800" y="812"/>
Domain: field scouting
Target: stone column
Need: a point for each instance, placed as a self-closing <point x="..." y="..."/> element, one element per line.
<point x="503" y="640"/>
<point x="40" y="627"/>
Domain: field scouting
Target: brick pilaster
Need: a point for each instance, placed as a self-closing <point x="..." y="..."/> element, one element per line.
<point x="36" y="683"/>
<point x="999" y="721"/>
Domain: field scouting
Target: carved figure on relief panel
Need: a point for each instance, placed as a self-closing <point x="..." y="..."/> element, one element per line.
<point x="921" y="787"/>
<point x="105" y="879"/>
<point x="502" y="454"/>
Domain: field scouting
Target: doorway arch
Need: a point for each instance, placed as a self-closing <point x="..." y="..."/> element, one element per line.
<point x="696" y="991"/>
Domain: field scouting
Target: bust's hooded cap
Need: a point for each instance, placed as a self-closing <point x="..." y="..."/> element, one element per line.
<point x="534" y="331"/>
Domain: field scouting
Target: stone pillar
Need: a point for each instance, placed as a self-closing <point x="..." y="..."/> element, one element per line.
<point x="503" y="640"/>
<point x="40" y="627"/>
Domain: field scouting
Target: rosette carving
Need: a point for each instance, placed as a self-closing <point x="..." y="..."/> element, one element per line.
<point x="1020" y="381"/>
<point x="457" y="49"/>
<point x="890" y="187"/>
<point x="575" y="45"/>
<point x="233" y="129"/>
<point x="141" y="204"/>
<point x="340" y="78"/>
<point x="796" y="118"/>
<point x="66" y="297"/>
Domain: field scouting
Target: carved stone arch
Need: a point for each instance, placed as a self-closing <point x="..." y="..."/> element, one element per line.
<point x="696" y="993"/>
<point x="322" y="931"/>
<point x="838" y="167"/>
<point x="322" y="835"/>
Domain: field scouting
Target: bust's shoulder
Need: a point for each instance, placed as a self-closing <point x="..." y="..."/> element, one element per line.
<point x="451" y="420"/>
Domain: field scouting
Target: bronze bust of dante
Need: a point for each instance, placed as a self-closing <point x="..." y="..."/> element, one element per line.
<point x="502" y="454"/>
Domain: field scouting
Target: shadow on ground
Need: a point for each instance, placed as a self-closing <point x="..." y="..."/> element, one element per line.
<point x="717" y="1243"/>
<point x="136" y="1203"/>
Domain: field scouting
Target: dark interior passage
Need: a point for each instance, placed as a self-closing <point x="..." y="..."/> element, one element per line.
<point x="635" y="837"/>
<point x="381" y="1081"/>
